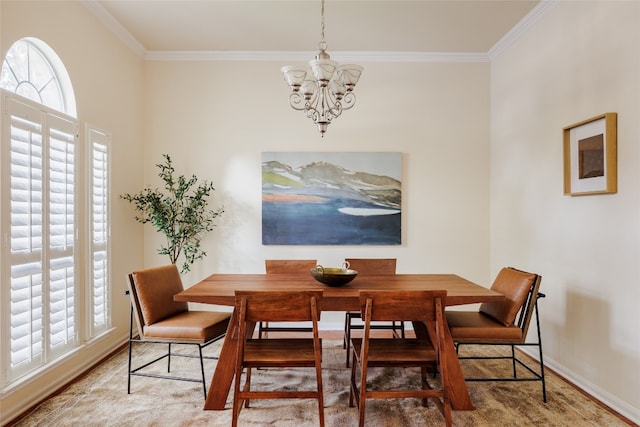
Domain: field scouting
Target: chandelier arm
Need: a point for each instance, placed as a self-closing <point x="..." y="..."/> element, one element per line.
<point x="348" y="101"/>
<point x="311" y="107"/>
<point x="332" y="105"/>
<point x="297" y="101"/>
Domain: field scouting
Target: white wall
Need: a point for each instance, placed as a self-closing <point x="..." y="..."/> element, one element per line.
<point x="579" y="60"/>
<point x="216" y="118"/>
<point x="107" y="79"/>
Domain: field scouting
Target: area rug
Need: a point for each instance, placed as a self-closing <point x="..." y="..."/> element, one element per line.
<point x="100" y="399"/>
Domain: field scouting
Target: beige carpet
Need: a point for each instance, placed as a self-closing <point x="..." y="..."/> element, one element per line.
<point x="100" y="399"/>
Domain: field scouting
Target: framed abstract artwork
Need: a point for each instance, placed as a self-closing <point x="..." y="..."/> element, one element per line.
<point x="331" y="198"/>
<point x="590" y="156"/>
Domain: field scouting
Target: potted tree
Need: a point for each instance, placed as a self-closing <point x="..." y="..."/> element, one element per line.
<point x="179" y="212"/>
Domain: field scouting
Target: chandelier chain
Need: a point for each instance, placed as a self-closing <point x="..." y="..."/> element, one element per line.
<point x="322" y="24"/>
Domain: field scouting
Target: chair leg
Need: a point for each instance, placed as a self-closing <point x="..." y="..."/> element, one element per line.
<point x="237" y="403"/>
<point x="424" y="383"/>
<point x="513" y="360"/>
<point x="263" y="330"/>
<point x="447" y="411"/>
<point x="346" y="327"/>
<point x="204" y="383"/>
<point x="237" y="400"/>
<point x="247" y="386"/>
<point x="395" y="327"/>
<point x="130" y="351"/>
<point x="363" y="391"/>
<point x="320" y="395"/>
<point x="169" y="359"/>
<point x="352" y="387"/>
<point x="544" y="387"/>
<point x="348" y="340"/>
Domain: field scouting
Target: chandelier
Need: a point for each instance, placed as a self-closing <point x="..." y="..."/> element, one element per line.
<point x="327" y="91"/>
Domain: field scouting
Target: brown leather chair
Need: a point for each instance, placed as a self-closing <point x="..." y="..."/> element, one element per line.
<point x="368" y="352"/>
<point x="364" y="267"/>
<point x="160" y="319"/>
<point x="276" y="306"/>
<point x="503" y="323"/>
<point x="285" y="266"/>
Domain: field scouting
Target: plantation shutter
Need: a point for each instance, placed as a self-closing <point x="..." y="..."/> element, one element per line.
<point x="26" y="237"/>
<point x="62" y="295"/>
<point x="99" y="244"/>
<point x="42" y="286"/>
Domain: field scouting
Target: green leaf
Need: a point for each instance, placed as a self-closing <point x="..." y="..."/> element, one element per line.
<point x="180" y="213"/>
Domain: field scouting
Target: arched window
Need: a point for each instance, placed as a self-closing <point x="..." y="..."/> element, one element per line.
<point x="43" y="293"/>
<point x="33" y="70"/>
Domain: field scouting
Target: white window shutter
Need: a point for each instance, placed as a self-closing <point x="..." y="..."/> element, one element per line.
<point x="26" y="237"/>
<point x="42" y="221"/>
<point x="62" y="137"/>
<point x="99" y="189"/>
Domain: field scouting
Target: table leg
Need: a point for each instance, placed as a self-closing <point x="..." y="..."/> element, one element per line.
<point x="225" y="368"/>
<point x="223" y="375"/>
<point x="458" y="392"/>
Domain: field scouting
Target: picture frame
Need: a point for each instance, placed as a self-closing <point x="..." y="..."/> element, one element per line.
<point x="590" y="156"/>
<point x="331" y="198"/>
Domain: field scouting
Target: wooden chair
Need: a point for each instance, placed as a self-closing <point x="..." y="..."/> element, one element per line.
<point x="160" y="319"/>
<point x="364" y="267"/>
<point x="286" y="266"/>
<point x="276" y="306"/>
<point x="504" y="323"/>
<point x="422" y="306"/>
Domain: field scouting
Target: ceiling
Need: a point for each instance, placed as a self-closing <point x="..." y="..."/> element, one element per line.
<point x="444" y="26"/>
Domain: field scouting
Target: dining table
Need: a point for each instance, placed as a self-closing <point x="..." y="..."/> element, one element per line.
<point x="219" y="289"/>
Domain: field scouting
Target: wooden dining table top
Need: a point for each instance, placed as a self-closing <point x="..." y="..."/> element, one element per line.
<point x="220" y="288"/>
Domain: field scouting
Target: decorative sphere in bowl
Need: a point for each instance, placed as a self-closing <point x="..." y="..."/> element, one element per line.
<point x="333" y="276"/>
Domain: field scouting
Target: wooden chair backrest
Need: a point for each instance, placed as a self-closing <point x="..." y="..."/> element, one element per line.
<point x="289" y="266"/>
<point x="279" y="306"/>
<point x="423" y="306"/>
<point x="402" y="305"/>
<point x="366" y="266"/>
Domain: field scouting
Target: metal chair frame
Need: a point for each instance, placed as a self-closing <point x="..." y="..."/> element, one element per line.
<point x="529" y="308"/>
<point x="136" y="371"/>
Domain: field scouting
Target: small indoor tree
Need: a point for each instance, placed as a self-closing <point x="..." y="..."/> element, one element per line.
<point x="179" y="212"/>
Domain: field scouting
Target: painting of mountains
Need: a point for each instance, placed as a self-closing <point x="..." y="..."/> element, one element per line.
<point x="331" y="198"/>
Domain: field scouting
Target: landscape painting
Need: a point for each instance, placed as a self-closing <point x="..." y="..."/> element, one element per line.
<point x="331" y="198"/>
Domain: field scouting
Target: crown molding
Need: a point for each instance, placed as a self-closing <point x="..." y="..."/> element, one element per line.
<point x="521" y="27"/>
<point x="115" y="27"/>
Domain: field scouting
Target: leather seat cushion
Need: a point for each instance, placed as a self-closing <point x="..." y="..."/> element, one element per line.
<point x="155" y="288"/>
<point x="515" y="285"/>
<point x="198" y="326"/>
<point x="473" y="325"/>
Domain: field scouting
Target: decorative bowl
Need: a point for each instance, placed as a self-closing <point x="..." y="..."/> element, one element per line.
<point x="333" y="276"/>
